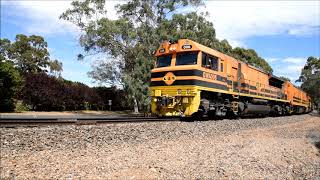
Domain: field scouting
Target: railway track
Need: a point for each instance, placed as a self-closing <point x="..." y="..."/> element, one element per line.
<point x="38" y="121"/>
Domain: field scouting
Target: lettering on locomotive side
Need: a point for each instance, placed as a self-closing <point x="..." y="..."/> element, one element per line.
<point x="209" y="76"/>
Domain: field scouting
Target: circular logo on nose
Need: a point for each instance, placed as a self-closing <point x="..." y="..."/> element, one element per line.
<point x="169" y="78"/>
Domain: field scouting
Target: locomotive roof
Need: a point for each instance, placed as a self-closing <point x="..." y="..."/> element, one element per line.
<point x="277" y="78"/>
<point x="203" y="48"/>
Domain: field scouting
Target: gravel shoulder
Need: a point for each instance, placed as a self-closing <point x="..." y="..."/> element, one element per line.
<point x="273" y="148"/>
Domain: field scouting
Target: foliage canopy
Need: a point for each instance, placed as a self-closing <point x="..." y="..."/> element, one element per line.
<point x="310" y="78"/>
<point x="131" y="40"/>
<point x="29" y="54"/>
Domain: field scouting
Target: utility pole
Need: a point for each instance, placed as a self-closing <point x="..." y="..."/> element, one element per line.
<point x="109" y="103"/>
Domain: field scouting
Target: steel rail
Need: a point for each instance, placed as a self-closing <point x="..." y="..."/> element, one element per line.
<point x="10" y="122"/>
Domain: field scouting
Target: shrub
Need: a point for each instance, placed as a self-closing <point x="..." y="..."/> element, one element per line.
<point x="48" y="93"/>
<point x="20" y="107"/>
<point x="10" y="84"/>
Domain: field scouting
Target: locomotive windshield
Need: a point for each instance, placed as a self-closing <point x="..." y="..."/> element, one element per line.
<point x="187" y="58"/>
<point x="164" y="61"/>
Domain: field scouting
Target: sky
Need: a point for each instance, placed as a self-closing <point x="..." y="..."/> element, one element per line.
<point x="285" y="33"/>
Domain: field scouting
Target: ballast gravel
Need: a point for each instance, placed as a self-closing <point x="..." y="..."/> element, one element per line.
<point x="254" y="148"/>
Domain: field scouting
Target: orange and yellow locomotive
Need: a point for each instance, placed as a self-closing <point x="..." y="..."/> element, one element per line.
<point x="190" y="79"/>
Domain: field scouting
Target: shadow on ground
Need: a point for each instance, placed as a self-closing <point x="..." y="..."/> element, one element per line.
<point x="315" y="138"/>
<point x="315" y="113"/>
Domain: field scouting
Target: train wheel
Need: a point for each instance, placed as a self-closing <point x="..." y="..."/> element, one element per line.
<point x="197" y="116"/>
<point x="186" y="119"/>
<point x="211" y="115"/>
<point x="232" y="115"/>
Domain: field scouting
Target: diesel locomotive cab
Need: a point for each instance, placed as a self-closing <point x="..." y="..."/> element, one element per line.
<point x="172" y="93"/>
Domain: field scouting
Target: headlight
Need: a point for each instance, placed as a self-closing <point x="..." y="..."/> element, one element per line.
<point x="179" y="91"/>
<point x="172" y="49"/>
<point x="188" y="91"/>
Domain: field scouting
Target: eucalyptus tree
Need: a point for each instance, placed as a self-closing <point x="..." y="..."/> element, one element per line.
<point x="29" y="54"/>
<point x="55" y="67"/>
<point x="310" y="78"/>
<point x="128" y="42"/>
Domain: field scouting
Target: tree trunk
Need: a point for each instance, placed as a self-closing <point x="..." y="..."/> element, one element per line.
<point x="136" y="109"/>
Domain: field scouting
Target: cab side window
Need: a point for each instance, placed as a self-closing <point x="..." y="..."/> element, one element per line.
<point x="209" y="61"/>
<point x="205" y="60"/>
<point x="214" y="63"/>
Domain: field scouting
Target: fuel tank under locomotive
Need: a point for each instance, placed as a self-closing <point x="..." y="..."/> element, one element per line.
<point x="255" y="106"/>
